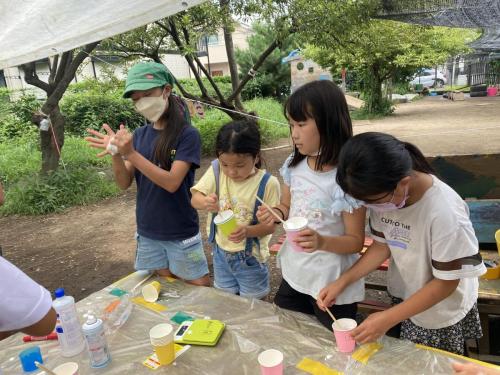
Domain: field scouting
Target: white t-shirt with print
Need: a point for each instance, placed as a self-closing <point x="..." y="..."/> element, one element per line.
<point x="432" y="238"/>
<point x="316" y="196"/>
<point x="23" y="302"/>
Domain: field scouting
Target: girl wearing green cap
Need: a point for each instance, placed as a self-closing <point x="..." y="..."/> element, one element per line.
<point x="162" y="156"/>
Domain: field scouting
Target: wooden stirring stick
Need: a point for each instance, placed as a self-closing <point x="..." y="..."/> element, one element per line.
<point x="47" y="371"/>
<point x="331" y="315"/>
<point x="270" y="210"/>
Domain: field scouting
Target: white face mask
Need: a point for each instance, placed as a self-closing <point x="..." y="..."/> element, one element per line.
<point x="151" y="107"/>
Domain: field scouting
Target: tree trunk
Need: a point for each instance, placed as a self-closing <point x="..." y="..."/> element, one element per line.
<point x="63" y="71"/>
<point x="51" y="151"/>
<point x="231" y="58"/>
<point x="373" y="87"/>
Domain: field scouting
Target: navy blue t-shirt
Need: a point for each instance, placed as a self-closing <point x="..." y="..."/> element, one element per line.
<point x="162" y="215"/>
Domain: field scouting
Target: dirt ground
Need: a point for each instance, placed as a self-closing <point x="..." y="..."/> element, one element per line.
<point x="86" y="248"/>
<point x="442" y="127"/>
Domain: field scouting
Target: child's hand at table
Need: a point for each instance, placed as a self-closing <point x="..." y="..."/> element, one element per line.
<point x="372" y="328"/>
<point x="473" y="369"/>
<point x="329" y="293"/>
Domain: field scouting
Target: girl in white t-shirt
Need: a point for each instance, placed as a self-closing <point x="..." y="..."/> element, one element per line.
<point x="423" y="226"/>
<point x="24" y="305"/>
<point x="319" y="125"/>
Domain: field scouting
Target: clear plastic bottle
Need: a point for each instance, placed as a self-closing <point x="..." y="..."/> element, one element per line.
<point x="93" y="331"/>
<point x="72" y="342"/>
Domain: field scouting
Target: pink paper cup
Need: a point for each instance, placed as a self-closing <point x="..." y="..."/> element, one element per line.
<point x="342" y="329"/>
<point x="292" y="228"/>
<point x="271" y="362"/>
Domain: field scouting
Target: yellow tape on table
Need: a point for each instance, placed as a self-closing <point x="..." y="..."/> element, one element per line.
<point x="169" y="279"/>
<point x="316" y="368"/>
<point x="458" y="356"/>
<point x="149" y="305"/>
<point x="366" y="351"/>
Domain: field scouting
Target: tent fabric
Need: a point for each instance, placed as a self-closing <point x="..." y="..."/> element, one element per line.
<point x="36" y="29"/>
<point x="483" y="14"/>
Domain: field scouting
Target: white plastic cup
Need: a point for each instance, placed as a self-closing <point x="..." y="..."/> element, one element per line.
<point x="292" y="228"/>
<point x="68" y="368"/>
<point x="342" y="329"/>
<point x="271" y="362"/>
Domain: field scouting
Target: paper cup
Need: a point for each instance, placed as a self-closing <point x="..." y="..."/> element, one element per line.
<point x="226" y="222"/>
<point x="271" y="362"/>
<point x="162" y="339"/>
<point x="497" y="239"/>
<point x="342" y="330"/>
<point x="68" y="368"/>
<point x="151" y="291"/>
<point x="292" y="228"/>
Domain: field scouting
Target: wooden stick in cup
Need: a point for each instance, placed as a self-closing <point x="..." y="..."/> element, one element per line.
<point x="41" y="367"/>
<point x="141" y="282"/>
<point x="330" y="313"/>
<point x="270" y="209"/>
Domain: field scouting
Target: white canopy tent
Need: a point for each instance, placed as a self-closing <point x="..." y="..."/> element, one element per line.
<point x="36" y="29"/>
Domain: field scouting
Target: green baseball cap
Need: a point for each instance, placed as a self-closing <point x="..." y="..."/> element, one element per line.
<point x="145" y="76"/>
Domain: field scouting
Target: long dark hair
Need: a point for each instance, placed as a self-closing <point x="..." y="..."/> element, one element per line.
<point x="325" y="102"/>
<point x="373" y="163"/>
<point x="167" y="140"/>
<point x="239" y="137"/>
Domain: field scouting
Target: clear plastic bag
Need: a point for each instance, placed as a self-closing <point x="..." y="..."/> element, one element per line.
<point x="116" y="314"/>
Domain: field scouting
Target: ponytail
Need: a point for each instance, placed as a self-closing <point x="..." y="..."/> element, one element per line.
<point x="419" y="161"/>
<point x="166" y="142"/>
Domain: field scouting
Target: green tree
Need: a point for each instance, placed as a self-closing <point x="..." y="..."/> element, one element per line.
<point x="377" y="49"/>
<point x="62" y="71"/>
<point x="182" y="32"/>
<point x="273" y="78"/>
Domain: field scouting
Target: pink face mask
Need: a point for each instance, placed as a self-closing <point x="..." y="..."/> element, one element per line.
<point x="388" y="206"/>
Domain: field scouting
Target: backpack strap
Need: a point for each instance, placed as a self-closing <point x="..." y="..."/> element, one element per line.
<point x="260" y="193"/>
<point x="216" y="169"/>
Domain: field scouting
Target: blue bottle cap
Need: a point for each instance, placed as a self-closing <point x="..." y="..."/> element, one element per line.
<point x="59" y="330"/>
<point x="28" y="358"/>
<point x="59" y="293"/>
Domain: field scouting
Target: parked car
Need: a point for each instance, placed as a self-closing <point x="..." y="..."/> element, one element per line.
<point x="428" y="78"/>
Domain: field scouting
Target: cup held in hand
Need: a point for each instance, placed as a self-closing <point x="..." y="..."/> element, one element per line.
<point x="226" y="222"/>
<point x="342" y="329"/>
<point x="292" y="228"/>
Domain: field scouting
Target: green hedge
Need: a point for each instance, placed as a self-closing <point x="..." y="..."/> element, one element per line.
<point x="90" y="104"/>
<point x="266" y="108"/>
<point x="86" y="178"/>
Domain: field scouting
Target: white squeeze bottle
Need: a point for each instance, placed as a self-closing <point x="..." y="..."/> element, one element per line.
<point x="73" y="342"/>
<point x="93" y="330"/>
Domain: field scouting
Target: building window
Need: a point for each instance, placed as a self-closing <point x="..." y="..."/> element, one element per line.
<point x="311" y="69"/>
<point x="212" y="40"/>
<point x="300" y="66"/>
<point x="217" y="73"/>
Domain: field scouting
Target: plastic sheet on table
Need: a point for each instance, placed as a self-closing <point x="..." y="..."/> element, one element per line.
<point x="252" y="326"/>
